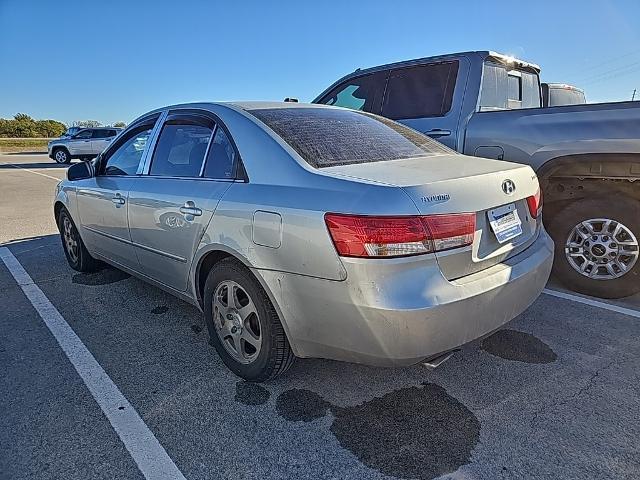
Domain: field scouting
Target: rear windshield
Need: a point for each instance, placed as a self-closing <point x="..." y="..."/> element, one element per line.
<point x="565" y="96"/>
<point x="326" y="137"/>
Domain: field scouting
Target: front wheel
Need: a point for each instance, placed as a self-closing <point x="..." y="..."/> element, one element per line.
<point x="61" y="156"/>
<point x="597" y="246"/>
<point x="243" y="325"/>
<point x="77" y="255"/>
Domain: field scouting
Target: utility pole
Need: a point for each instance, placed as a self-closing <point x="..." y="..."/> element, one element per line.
<point x="633" y="97"/>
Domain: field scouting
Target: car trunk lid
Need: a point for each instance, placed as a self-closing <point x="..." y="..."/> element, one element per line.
<point x="447" y="184"/>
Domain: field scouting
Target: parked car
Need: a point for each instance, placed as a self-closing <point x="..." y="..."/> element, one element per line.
<point x="557" y="94"/>
<point x="311" y="231"/>
<point x="84" y="144"/>
<point x="587" y="157"/>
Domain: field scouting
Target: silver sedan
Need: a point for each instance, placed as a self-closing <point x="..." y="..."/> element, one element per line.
<point x="311" y="231"/>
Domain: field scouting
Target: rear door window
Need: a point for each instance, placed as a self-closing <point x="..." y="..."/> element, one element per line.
<point x="221" y="158"/>
<point x="100" y="133"/>
<point x="360" y="93"/>
<point x="326" y="137"/>
<point x="422" y="91"/>
<point x="181" y="148"/>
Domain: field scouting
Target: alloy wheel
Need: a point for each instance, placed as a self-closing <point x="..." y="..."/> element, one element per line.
<point x="60" y="156"/>
<point x="236" y="321"/>
<point x="70" y="241"/>
<point x="601" y="249"/>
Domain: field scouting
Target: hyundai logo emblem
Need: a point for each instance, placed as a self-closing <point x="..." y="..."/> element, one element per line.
<point x="508" y="187"/>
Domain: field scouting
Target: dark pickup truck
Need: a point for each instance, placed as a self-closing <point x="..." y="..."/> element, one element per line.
<point x="587" y="157"/>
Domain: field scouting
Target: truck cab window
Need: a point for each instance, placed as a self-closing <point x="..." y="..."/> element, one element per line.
<point x="360" y="93"/>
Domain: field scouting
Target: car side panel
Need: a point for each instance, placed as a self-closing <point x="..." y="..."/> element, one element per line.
<point x="298" y="238"/>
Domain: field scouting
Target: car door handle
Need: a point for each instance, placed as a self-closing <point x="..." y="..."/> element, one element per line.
<point x="85" y="141"/>
<point x="437" y="132"/>
<point x="118" y="199"/>
<point x="189" y="208"/>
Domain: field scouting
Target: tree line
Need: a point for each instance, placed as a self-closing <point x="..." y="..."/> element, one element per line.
<point x="23" y="126"/>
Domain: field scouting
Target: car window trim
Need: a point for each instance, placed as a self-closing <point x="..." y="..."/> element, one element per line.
<point x="206" y="153"/>
<point x="145" y="161"/>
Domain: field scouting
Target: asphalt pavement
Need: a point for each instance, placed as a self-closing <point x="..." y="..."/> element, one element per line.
<point x="555" y="394"/>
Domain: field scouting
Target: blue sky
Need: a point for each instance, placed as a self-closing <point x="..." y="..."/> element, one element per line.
<point x="113" y="60"/>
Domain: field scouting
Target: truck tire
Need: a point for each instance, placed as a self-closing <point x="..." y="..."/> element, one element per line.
<point x="243" y="325"/>
<point x="60" y="155"/>
<point x="596" y="246"/>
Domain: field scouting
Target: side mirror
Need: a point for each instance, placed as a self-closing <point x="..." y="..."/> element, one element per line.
<point x="80" y="171"/>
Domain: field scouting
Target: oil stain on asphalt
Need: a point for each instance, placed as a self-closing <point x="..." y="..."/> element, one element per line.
<point x="518" y="346"/>
<point x="160" y="309"/>
<point x="251" y="394"/>
<point x="101" y="277"/>
<point x="415" y="432"/>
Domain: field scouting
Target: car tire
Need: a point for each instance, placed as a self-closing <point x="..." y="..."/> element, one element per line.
<point x="583" y="243"/>
<point x="77" y="255"/>
<point x="243" y="325"/>
<point x="61" y="156"/>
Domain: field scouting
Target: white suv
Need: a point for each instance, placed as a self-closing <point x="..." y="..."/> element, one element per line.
<point x="85" y="144"/>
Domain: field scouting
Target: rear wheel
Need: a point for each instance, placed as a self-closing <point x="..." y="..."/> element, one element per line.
<point x="243" y="325"/>
<point x="60" y="155"/>
<point x="597" y="246"/>
<point x="77" y="255"/>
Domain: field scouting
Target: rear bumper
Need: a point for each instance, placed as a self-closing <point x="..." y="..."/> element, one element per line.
<point x="404" y="312"/>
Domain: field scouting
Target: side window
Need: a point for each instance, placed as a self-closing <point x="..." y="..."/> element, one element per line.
<point x="423" y="91"/>
<point x="180" y="150"/>
<point x="99" y="134"/>
<point x="83" y="134"/>
<point x="125" y="159"/>
<point x="361" y="93"/>
<point x="221" y="158"/>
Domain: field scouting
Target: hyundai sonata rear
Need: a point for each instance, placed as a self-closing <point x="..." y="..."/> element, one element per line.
<point x="311" y="231"/>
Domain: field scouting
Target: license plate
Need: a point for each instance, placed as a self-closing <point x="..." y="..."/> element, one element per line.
<point x="505" y="222"/>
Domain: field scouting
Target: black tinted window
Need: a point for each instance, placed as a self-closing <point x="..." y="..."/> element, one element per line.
<point x="220" y="161"/>
<point x="180" y="150"/>
<point x="362" y="93"/>
<point x="325" y="137"/>
<point x="125" y="159"/>
<point x="100" y="134"/>
<point x="424" y="91"/>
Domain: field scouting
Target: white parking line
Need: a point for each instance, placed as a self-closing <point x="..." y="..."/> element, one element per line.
<point x="37" y="173"/>
<point x="593" y="303"/>
<point x="151" y="458"/>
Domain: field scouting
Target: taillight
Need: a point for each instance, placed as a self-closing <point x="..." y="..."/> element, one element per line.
<point x="535" y="204"/>
<point x="365" y="236"/>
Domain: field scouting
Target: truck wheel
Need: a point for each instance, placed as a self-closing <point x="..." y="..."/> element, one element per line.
<point x="243" y="325"/>
<point x="596" y="246"/>
<point x="60" y="155"/>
